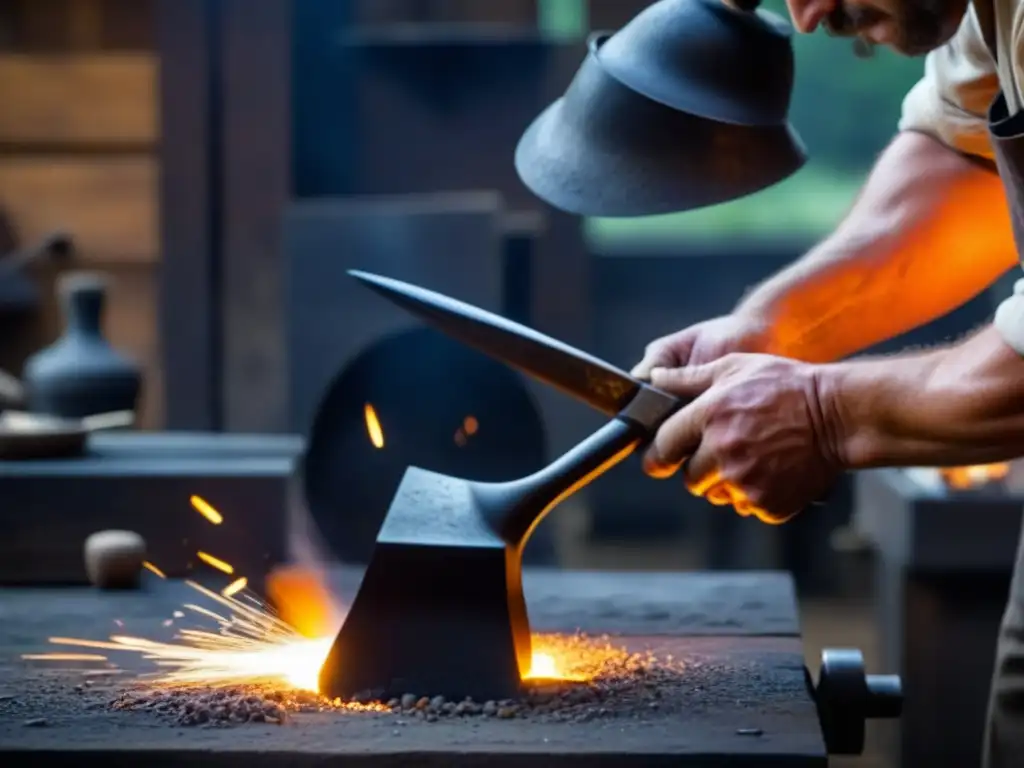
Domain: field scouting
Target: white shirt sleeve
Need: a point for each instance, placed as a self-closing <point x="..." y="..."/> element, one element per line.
<point x="1009" y="321"/>
<point x="951" y="101"/>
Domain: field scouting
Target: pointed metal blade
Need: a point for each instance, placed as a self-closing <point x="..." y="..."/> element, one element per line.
<point x="583" y="376"/>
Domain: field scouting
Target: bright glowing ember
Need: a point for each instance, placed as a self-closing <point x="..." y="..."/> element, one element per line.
<point x="204" y="508"/>
<point x="215" y="562"/>
<point x="373" y="427"/>
<point x="251" y="644"/>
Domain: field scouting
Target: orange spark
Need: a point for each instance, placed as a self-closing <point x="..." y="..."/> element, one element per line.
<point x="373" y="428"/>
<point x="204" y="508"/>
<point x="234" y="587"/>
<point x="471" y="425"/>
<point x="215" y="562"/>
<point x="150" y="567"/>
<point x="64" y="656"/>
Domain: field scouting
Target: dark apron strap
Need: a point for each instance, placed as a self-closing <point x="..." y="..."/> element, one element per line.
<point x="1004" y="727"/>
<point x="986" y="12"/>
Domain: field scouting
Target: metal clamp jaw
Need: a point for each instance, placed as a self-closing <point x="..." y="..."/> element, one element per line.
<point x="847" y="697"/>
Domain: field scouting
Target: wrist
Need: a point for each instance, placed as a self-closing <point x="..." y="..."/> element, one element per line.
<point x="866" y="406"/>
<point x="762" y="322"/>
<point x="757" y="309"/>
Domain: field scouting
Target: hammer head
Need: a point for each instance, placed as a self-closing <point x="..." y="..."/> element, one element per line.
<point x="440" y="610"/>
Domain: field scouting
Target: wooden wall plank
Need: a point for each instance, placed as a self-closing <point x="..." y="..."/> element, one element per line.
<point x="38" y="24"/>
<point x="189" y="216"/>
<point x="256" y="167"/>
<point x="129" y="25"/>
<point x="85" y="24"/>
<point x="108" y="205"/>
<point x="78" y="99"/>
<point x="57" y="26"/>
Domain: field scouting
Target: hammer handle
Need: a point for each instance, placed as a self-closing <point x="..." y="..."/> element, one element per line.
<point x="514" y="509"/>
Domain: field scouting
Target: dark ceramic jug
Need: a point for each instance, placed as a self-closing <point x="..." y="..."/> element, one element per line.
<point x="81" y="373"/>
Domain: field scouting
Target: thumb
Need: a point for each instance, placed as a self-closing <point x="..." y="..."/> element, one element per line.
<point x="667" y="352"/>
<point x="688" y="381"/>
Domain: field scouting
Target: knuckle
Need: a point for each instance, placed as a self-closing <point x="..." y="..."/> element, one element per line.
<point x="660" y="346"/>
<point x="734" y="448"/>
<point x="758" y="496"/>
<point x="664" y="448"/>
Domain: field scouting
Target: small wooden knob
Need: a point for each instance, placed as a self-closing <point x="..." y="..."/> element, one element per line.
<point x="113" y="559"/>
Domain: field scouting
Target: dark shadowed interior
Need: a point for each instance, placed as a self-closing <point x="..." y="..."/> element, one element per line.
<point x="441" y="407"/>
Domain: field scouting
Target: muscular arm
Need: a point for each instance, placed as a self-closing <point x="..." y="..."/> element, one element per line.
<point x="929" y="231"/>
<point x="963" y="404"/>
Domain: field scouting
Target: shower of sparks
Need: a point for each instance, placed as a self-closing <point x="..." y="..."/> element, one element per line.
<point x="204" y="508"/>
<point x="252" y="644"/>
<point x="215" y="562"/>
<point x="373" y="428"/>
<point x="150" y="567"/>
<point x="235" y="587"/>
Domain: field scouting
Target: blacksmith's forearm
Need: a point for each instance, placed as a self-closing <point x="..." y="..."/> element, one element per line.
<point x="929" y="231"/>
<point x="957" y="405"/>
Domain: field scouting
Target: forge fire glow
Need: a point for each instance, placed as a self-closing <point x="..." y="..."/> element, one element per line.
<point x="252" y="644"/>
<point x="962" y="478"/>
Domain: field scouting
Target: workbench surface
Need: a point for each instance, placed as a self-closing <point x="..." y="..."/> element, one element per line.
<point x="746" y="703"/>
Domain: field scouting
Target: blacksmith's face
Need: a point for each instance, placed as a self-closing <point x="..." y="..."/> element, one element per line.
<point x="910" y="27"/>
